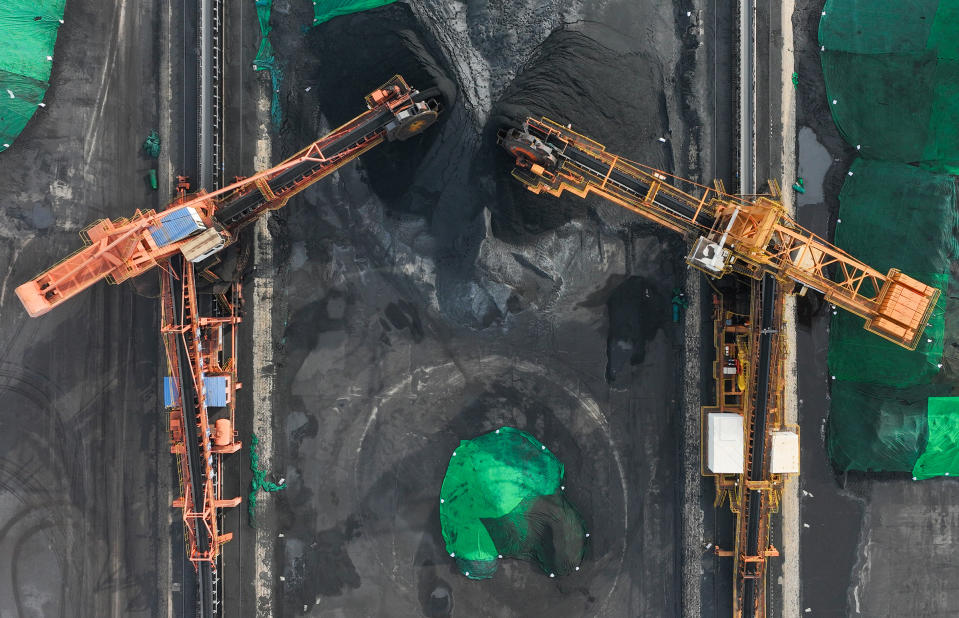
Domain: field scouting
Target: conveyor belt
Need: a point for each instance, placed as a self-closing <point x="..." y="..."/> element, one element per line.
<point x="758" y="455"/>
<point x="582" y="160"/>
<point x="233" y="212"/>
<point x="194" y="456"/>
<point x="628" y="183"/>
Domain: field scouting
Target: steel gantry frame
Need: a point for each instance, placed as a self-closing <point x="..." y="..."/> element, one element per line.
<point x="200" y="342"/>
<point x="199" y="444"/>
<point x="753" y="344"/>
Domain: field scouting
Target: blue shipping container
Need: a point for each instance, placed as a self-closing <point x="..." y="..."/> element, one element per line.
<point x="175" y="226"/>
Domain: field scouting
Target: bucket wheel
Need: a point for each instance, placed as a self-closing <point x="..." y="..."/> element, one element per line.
<point x="527" y="150"/>
<point x="409" y="124"/>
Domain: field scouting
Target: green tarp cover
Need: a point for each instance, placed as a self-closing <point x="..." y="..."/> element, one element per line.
<point x="265" y="59"/>
<point x="887" y="212"/>
<point x="892" y="78"/>
<point x="325" y="10"/>
<point x="878" y="428"/>
<point x="941" y="455"/>
<point x="502" y="497"/>
<point x="878" y="413"/>
<point x="28" y="32"/>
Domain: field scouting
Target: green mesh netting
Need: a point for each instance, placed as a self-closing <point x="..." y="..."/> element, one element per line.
<point x="941" y="455"/>
<point x="266" y="60"/>
<point x="258" y="482"/>
<point x="325" y="10"/>
<point x="888" y="211"/>
<point x="878" y="428"/>
<point x="28" y="32"/>
<point x="502" y="497"/>
<point x="878" y="413"/>
<point x="892" y="78"/>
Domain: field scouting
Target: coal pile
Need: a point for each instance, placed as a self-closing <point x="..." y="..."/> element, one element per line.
<point x="426" y="298"/>
<point x="577" y="77"/>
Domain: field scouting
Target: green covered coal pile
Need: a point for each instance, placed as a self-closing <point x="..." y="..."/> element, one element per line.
<point x="29" y="30"/>
<point x="503" y="497"/>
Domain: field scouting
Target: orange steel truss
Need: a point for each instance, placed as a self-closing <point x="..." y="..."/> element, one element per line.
<point x="733" y="345"/>
<point x="751" y="235"/>
<point x="209" y="352"/>
<point x="895" y="306"/>
<point x="119" y="249"/>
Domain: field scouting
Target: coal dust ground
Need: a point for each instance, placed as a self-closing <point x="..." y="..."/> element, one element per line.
<point x="424" y="297"/>
<point x="85" y="475"/>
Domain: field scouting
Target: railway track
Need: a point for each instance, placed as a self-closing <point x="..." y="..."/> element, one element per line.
<point x="757" y="502"/>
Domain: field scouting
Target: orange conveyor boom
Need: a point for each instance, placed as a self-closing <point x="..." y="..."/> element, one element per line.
<point x="751" y="235"/>
<point x="119" y="249"/>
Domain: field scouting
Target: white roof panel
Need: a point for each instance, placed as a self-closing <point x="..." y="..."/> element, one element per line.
<point x="724" y="443"/>
<point x="784" y="455"/>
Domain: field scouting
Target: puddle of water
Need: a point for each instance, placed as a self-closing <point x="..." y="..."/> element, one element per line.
<point x="814" y="161"/>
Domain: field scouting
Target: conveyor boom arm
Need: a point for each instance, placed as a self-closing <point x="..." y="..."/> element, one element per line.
<point x="751" y="235"/>
<point x="124" y="248"/>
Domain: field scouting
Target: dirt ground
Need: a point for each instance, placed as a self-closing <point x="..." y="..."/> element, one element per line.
<point x="84" y="471"/>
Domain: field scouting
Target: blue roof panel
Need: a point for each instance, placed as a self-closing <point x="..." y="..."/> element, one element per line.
<point x="174" y="226"/>
<point x="215" y="387"/>
<point x="170" y="398"/>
